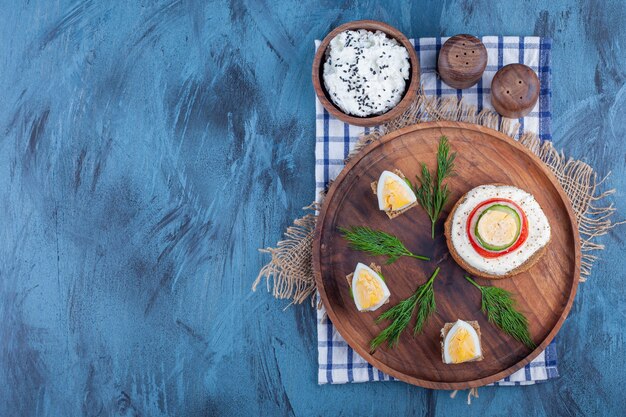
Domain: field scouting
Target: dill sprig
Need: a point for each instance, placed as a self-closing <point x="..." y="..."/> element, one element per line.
<point x="499" y="306"/>
<point x="377" y="242"/>
<point x="431" y="192"/>
<point x="400" y="315"/>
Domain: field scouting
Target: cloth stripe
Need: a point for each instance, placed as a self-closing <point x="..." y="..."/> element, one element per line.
<point x="338" y="363"/>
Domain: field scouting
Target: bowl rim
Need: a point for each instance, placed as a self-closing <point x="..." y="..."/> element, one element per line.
<point x="398" y="109"/>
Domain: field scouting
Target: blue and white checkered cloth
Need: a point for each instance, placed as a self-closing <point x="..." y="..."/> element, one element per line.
<point x="338" y="363"/>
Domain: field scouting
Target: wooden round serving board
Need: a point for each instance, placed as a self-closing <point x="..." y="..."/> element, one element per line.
<point x="544" y="294"/>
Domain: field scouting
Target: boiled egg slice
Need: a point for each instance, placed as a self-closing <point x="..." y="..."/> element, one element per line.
<point x="498" y="227"/>
<point x="393" y="192"/>
<point x="368" y="288"/>
<point x="461" y="344"/>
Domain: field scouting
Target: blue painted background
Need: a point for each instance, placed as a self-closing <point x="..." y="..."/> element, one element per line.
<point x="148" y="149"/>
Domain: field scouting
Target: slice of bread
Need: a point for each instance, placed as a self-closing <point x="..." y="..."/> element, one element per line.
<point x="444" y="333"/>
<point x="396" y="213"/>
<point x="477" y="272"/>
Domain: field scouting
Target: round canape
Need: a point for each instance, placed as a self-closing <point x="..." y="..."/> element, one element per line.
<point x="496" y="231"/>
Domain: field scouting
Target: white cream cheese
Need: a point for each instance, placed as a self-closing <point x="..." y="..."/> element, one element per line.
<point x="538" y="229"/>
<point x="365" y="72"/>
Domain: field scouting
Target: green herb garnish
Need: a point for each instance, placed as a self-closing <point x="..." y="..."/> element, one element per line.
<point x="377" y="242"/>
<point x="499" y="307"/>
<point x="431" y="192"/>
<point x="423" y="299"/>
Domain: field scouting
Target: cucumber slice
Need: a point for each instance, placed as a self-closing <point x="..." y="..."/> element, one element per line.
<point x="501" y="208"/>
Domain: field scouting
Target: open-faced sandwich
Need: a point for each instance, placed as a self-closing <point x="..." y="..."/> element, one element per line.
<point x="394" y="192"/>
<point x="368" y="287"/>
<point x="460" y="342"/>
<point x="497" y="231"/>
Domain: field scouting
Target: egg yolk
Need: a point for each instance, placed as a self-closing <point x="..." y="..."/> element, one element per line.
<point x="369" y="290"/>
<point x="394" y="195"/>
<point x="497" y="227"/>
<point x="462" y="347"/>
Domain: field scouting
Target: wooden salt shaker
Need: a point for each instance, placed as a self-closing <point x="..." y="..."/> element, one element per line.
<point x="462" y="61"/>
<point x="514" y="90"/>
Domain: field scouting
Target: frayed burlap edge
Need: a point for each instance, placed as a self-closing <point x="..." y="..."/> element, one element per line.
<point x="472" y="392"/>
<point x="290" y="270"/>
<point x="289" y="273"/>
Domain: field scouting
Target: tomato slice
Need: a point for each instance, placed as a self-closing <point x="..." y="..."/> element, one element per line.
<point x="523" y="235"/>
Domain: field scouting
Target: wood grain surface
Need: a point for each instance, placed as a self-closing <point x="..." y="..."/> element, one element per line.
<point x="462" y="61"/>
<point x="514" y="90"/>
<point x="412" y="83"/>
<point x="544" y="293"/>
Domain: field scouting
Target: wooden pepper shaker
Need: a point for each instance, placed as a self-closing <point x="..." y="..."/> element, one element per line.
<point x="514" y="90"/>
<point x="462" y="61"/>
